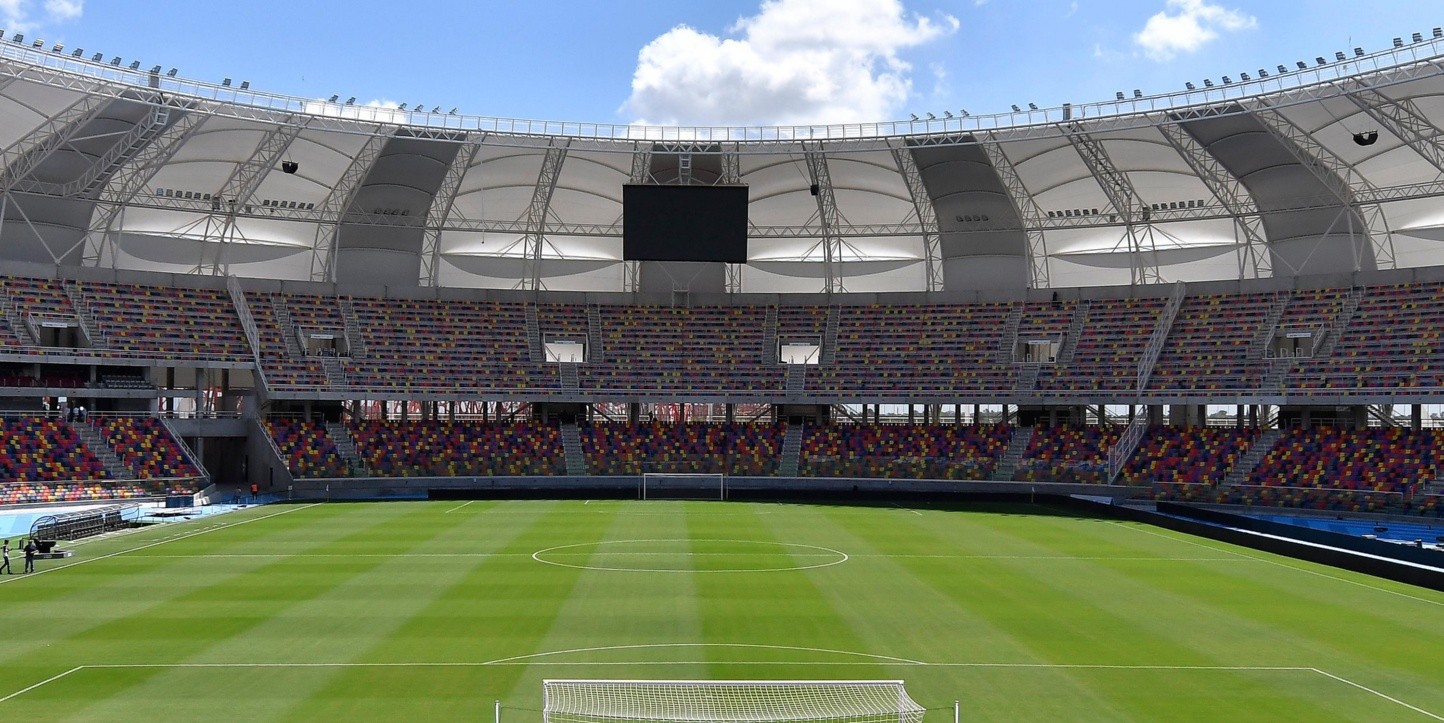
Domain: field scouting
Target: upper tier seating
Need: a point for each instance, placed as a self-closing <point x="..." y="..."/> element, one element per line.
<point x="691" y="447"/>
<point x="903" y="451"/>
<point x="1209" y="345"/>
<point x="1392" y="344"/>
<point x="168" y="322"/>
<point x="710" y="349"/>
<point x="1107" y="352"/>
<point x="307" y="448"/>
<point x="464" y="448"/>
<point x="904" y="348"/>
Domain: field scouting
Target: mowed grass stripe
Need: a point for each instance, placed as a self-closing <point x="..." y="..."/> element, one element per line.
<point x="922" y="615"/>
<point x="176" y="628"/>
<point x="1037" y="602"/>
<point x="338" y="625"/>
<point x="781" y="608"/>
<point x="608" y="608"/>
<point x="502" y="606"/>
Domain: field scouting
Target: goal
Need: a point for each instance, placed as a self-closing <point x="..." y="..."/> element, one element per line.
<point x="682" y="486"/>
<point x="739" y="701"/>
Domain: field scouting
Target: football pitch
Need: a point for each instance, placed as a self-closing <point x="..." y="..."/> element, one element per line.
<point x="431" y="611"/>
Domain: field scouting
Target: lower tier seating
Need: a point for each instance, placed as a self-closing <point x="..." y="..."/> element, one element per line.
<point x="463" y="448"/>
<point x="694" y="447"/>
<point x="903" y="451"/>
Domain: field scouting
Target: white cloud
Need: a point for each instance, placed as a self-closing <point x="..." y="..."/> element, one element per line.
<point x="794" y="62"/>
<point x="1194" y="23"/>
<point x="20" y="16"/>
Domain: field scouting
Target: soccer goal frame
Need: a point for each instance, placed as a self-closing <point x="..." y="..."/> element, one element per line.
<point x="682" y="486"/>
<point x="735" y="701"/>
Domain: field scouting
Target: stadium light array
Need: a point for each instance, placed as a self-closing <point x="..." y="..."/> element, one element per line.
<point x="1189" y="85"/>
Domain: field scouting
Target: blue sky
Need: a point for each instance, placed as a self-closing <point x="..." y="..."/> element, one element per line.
<point x="743" y="61"/>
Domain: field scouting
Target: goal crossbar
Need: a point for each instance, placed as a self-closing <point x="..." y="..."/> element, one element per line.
<point x="738" y="701"/>
<point x="682" y="485"/>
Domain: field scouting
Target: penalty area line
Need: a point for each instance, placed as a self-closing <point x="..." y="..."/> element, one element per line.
<point x="458" y="507"/>
<point x="1371" y="691"/>
<point x="51" y="679"/>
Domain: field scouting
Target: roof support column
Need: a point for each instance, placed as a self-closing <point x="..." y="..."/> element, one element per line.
<point x="925" y="215"/>
<point x="731" y="176"/>
<point x="1254" y="258"/>
<point x="537" y="211"/>
<point x="1028" y="211"/>
<point x="827" y="217"/>
<point x="1125" y="202"/>
<point x="338" y="201"/>
<point x="440" y="211"/>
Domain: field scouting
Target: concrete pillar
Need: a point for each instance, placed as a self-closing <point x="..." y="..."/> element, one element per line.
<point x="1416" y="417"/>
<point x="1155" y="414"/>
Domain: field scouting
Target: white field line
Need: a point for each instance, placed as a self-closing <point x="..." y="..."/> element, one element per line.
<point x="172" y="538"/>
<point x="458" y="507"/>
<point x="907" y="509"/>
<point x="43" y="682"/>
<point x="1276" y="563"/>
<point x="529" y="660"/>
<point x="1389" y="698"/>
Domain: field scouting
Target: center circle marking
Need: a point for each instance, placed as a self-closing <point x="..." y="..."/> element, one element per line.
<point x="829" y="556"/>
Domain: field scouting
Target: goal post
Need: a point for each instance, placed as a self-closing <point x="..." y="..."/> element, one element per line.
<point x="736" y="701"/>
<point x="682" y="486"/>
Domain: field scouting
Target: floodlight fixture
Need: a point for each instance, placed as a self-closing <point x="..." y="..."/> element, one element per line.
<point x="435" y="109"/>
<point x="171" y="73"/>
<point x="1366" y="138"/>
<point x="225" y="82"/>
<point x="351" y="100"/>
<point x="948" y="114"/>
<point x="1227" y="80"/>
<point x="245" y="85"/>
<point x="115" y="61"/>
<point x="77" y="52"/>
<point x="1263" y="73"/>
<point x="58" y="47"/>
<point x="963" y="113"/>
<point x="97" y="58"/>
<point x="1243" y="76"/>
<point x="1398" y="42"/>
<point x="19" y="38"/>
<point x="1189" y="85"/>
<point x="39" y="43"/>
<point x="1358" y="52"/>
<point x="332" y="99"/>
<point x="1118" y="95"/>
<point x="1319" y="59"/>
<point x="135" y="65"/>
<point x="401" y="107"/>
<point x="155" y="70"/>
<point x="932" y="117"/>
<point x="1016" y="109"/>
<point x="1439" y="32"/>
<point x="1207" y="83"/>
<point x="452" y="111"/>
<point x="915" y="115"/>
<point x="1032" y="106"/>
<point x="1418" y="38"/>
<point x="1339" y="56"/>
<point x="290" y="167"/>
<point x="1283" y="70"/>
<point x="1302" y="65"/>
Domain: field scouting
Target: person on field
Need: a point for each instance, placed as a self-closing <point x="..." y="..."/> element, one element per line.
<point x="5" y="558"/>
<point x="30" y="550"/>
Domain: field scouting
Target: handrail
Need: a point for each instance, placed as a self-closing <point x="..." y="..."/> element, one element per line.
<point x="1159" y="335"/>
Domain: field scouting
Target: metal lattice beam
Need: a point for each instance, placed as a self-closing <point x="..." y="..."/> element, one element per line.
<point x="731" y="176"/>
<point x="1033" y="218"/>
<point x="536" y="214"/>
<point x="1404" y="119"/>
<point x="127" y="182"/>
<point x="237" y="191"/>
<point x="440" y="211"/>
<point x="22" y="157"/>
<point x="1254" y="256"/>
<point x="821" y="178"/>
<point x="925" y="215"/>
<point x="1125" y="202"/>
<point x="1349" y="187"/>
<point x="333" y="209"/>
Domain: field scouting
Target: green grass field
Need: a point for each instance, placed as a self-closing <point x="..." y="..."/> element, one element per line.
<point x="430" y="611"/>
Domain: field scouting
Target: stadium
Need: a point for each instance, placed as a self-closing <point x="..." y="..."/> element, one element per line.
<point x="1112" y="411"/>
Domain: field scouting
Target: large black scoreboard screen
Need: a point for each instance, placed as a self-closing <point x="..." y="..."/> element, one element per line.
<point x="684" y="223"/>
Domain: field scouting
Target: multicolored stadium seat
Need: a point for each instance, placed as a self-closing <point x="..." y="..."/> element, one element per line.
<point x="307" y="448"/>
<point x="688" y="447"/>
<point x="461" y="448"/>
<point x="903" y="451"/>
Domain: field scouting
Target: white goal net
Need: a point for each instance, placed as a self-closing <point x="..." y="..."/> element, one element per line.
<point x="682" y="486"/>
<point x="734" y="701"/>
